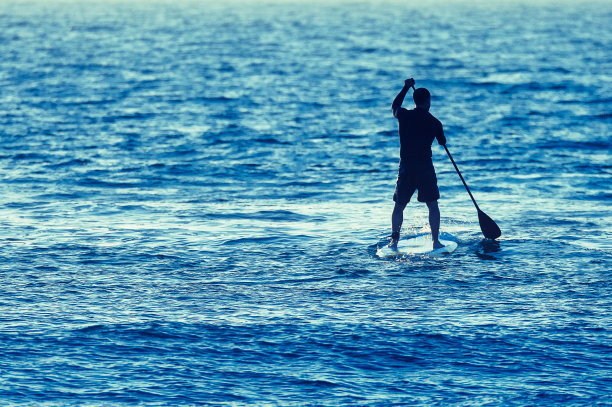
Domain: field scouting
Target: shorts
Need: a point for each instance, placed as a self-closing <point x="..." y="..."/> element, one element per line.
<point x="416" y="175"/>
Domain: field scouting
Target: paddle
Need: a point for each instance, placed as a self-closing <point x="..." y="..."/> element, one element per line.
<point x="489" y="228"/>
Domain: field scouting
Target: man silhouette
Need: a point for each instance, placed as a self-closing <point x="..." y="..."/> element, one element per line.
<point x="417" y="130"/>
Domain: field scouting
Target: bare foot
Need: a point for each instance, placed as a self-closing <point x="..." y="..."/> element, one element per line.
<point x="437" y="245"/>
<point x="393" y="244"/>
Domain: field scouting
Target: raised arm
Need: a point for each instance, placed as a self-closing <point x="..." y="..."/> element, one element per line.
<point x="399" y="99"/>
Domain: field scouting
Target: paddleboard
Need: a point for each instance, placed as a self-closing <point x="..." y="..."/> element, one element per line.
<point x="419" y="245"/>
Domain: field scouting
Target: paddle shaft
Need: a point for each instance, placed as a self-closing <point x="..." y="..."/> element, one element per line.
<point x="461" y="176"/>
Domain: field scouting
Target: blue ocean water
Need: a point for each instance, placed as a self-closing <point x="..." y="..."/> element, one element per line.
<point x="192" y="195"/>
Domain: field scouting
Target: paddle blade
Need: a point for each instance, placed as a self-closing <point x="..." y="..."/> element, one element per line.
<point x="489" y="228"/>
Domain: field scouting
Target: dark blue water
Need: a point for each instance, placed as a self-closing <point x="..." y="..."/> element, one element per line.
<point x="192" y="195"/>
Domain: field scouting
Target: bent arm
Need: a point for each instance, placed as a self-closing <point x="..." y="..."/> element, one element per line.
<point x="399" y="99"/>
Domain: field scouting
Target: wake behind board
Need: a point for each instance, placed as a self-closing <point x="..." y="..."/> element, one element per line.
<point x="419" y="245"/>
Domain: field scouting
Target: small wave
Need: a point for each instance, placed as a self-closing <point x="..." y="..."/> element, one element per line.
<point x="93" y="102"/>
<point x="598" y="101"/>
<point x="575" y="145"/>
<point x="59" y="196"/>
<point x="602" y="116"/>
<point x="213" y="99"/>
<point x="70" y="163"/>
<point x="276" y="215"/>
<point x="282" y="215"/>
<point x="93" y="28"/>
<point x="30" y="156"/>
<point x="599" y="196"/>
<point x="269" y="140"/>
<point x="258" y="240"/>
<point x="93" y="182"/>
<point x="316" y="383"/>
<point x="143" y="330"/>
<point x="127" y="116"/>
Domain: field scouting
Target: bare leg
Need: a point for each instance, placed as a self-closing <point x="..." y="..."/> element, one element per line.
<point x="434" y="223"/>
<point x="397" y="218"/>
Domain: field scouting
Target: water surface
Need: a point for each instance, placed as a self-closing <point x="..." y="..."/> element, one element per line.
<point x="192" y="195"/>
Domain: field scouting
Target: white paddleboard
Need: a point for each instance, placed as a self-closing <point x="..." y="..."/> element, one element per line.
<point x="419" y="245"/>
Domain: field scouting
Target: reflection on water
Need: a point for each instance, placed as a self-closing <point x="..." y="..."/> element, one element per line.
<point x="487" y="248"/>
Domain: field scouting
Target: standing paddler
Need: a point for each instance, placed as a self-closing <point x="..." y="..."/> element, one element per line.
<point x="417" y="130"/>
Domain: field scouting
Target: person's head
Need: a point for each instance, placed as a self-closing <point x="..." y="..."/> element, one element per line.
<point x="422" y="98"/>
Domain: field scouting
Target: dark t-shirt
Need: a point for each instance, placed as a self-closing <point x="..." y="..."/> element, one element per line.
<point x="417" y="130"/>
